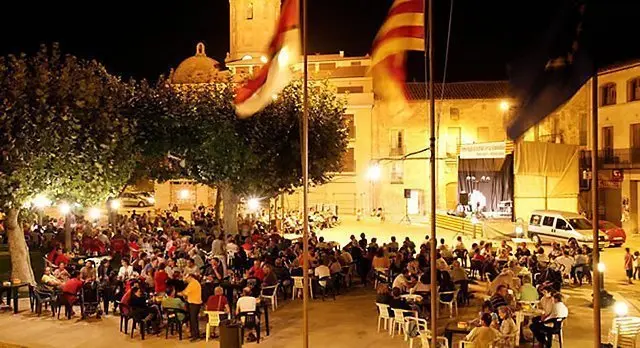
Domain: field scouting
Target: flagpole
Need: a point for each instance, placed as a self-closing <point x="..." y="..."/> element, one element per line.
<point x="305" y="183"/>
<point x="432" y="167"/>
<point x="594" y="206"/>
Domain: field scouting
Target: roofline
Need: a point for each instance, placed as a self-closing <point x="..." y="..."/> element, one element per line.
<point x="613" y="68"/>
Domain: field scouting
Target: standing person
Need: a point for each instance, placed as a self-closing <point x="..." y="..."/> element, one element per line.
<point x="636" y="262"/>
<point x="628" y="264"/>
<point x="193" y="295"/>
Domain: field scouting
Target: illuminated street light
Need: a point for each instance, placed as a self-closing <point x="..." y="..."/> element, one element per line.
<point x="504" y="105"/>
<point x="94" y="213"/>
<point x="253" y="204"/>
<point x="184" y="194"/>
<point x="621" y="309"/>
<point x="374" y="172"/>
<point x="64" y="208"/>
<point x="264" y="59"/>
<point x="247" y="57"/>
<point x="601" y="267"/>
<point x="40" y="201"/>
<point x="115" y="204"/>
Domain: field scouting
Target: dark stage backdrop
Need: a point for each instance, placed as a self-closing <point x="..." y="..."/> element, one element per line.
<point x="498" y="188"/>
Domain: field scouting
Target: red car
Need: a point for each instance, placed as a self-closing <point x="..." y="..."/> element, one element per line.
<point x="616" y="234"/>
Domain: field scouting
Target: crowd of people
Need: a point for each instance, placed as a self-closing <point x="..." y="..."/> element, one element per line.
<point x="150" y="264"/>
<point x="515" y="280"/>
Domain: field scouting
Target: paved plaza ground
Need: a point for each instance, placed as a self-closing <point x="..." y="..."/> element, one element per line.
<point x="350" y="321"/>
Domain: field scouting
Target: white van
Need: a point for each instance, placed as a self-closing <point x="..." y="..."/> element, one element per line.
<point x="562" y="226"/>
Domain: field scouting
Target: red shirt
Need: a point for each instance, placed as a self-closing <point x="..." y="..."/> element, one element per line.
<point x="257" y="272"/>
<point x="216" y="303"/>
<point x="160" y="281"/>
<point x="61" y="258"/>
<point x="628" y="261"/>
<point x="70" y="288"/>
<point x="134" y="249"/>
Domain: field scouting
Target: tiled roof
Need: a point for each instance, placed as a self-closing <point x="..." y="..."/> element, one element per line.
<point x="462" y="90"/>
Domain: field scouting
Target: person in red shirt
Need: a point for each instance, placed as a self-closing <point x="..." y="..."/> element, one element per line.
<point x="256" y="271"/>
<point x="160" y="279"/>
<point x="218" y="302"/>
<point x="70" y="290"/>
<point x="247" y="246"/>
<point x="628" y="264"/>
<point x="60" y="257"/>
<point x="134" y="249"/>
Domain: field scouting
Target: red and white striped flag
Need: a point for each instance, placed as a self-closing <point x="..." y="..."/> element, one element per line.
<point x="403" y="30"/>
<point x="275" y="75"/>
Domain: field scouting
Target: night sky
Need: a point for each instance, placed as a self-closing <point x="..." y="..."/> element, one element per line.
<point x="144" y="39"/>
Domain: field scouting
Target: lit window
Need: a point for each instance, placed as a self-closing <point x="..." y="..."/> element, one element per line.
<point x="633" y="89"/>
<point x="350" y="89"/>
<point x="397" y="172"/>
<point x="608" y="94"/>
<point x="250" y="10"/>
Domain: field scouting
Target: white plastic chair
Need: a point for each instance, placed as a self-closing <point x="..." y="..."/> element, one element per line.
<point x="384" y="317"/>
<point x="398" y="320"/>
<point x="466" y="344"/>
<point x="425" y="340"/>
<point x="380" y="273"/>
<point x="624" y="332"/>
<point x="214" y="321"/>
<point x="452" y="304"/>
<point x="298" y="287"/>
<point x="273" y="298"/>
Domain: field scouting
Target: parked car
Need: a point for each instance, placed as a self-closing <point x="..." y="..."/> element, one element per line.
<point x="133" y="199"/>
<point x="615" y="234"/>
<point x="562" y="226"/>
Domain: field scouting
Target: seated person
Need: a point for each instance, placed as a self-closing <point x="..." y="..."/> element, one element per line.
<point x="61" y="272"/>
<point x="88" y="272"/>
<point x="383" y="294"/>
<point x="256" y="271"/>
<point x="446" y="285"/>
<point x="499" y="298"/>
<point x="142" y="311"/>
<point x="398" y="302"/>
<point x="543" y="329"/>
<point x="483" y="336"/>
<point x="457" y="272"/>
<point x="401" y="282"/>
<point x="49" y="280"/>
<point x="486" y="308"/>
<point x="423" y="284"/>
<point x="246" y="303"/>
<point x="70" y="290"/>
<point x="218" y="302"/>
<point x="380" y="260"/>
<point x="508" y="327"/>
<point x="504" y="278"/>
<point x="270" y="278"/>
<point x="171" y="301"/>
<point x="528" y="292"/>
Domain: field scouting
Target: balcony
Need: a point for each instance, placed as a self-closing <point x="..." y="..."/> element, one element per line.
<point x="613" y="158"/>
<point x="396" y="151"/>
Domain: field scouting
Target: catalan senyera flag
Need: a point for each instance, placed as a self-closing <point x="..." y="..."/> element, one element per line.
<point x="402" y="31"/>
<point x="275" y="75"/>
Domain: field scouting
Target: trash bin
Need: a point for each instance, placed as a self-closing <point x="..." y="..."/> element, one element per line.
<point x="230" y="335"/>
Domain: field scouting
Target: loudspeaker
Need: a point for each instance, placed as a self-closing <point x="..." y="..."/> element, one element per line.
<point x="464" y="198"/>
<point x="407" y="193"/>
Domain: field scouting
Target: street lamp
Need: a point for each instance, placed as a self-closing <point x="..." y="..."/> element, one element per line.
<point x="64" y="208"/>
<point x="94" y="213"/>
<point x="621" y="309"/>
<point x="253" y="204"/>
<point x="504" y="106"/>
<point x="115" y="204"/>
<point x="184" y="194"/>
<point x="374" y="172"/>
<point x="41" y="201"/>
<point x="264" y="59"/>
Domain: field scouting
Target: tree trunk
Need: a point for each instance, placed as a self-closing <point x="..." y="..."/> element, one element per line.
<point x="216" y="207"/>
<point x="230" y="210"/>
<point x="20" y="259"/>
<point x="67" y="232"/>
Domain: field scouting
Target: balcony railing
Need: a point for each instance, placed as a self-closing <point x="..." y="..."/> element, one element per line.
<point x="613" y="158"/>
<point x="396" y="151"/>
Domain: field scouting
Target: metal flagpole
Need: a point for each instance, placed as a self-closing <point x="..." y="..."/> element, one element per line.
<point x="594" y="204"/>
<point x="432" y="167"/>
<point x="305" y="183"/>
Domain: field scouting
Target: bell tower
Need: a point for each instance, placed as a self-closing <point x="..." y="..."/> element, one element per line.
<point x="251" y="25"/>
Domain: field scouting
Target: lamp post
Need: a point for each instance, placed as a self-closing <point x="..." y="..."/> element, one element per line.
<point x="114" y="205"/>
<point x="606" y="299"/>
<point x="373" y="174"/>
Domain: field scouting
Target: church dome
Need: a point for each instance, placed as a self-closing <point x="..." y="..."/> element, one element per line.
<point x="196" y="69"/>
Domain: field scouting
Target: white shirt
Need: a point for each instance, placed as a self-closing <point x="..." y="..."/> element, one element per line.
<point x="246" y="304"/>
<point x="217" y="247"/>
<point x="232" y="248"/>
<point x="125" y="273"/>
<point x="559" y="310"/>
<point x="322" y="271"/>
<point x="400" y="282"/>
<point x="566" y="261"/>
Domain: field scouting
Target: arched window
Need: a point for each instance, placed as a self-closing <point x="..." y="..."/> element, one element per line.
<point x="633" y="89"/>
<point x="608" y="94"/>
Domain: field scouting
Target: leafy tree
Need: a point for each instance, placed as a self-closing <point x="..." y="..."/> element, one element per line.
<point x="64" y="135"/>
<point x="258" y="156"/>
